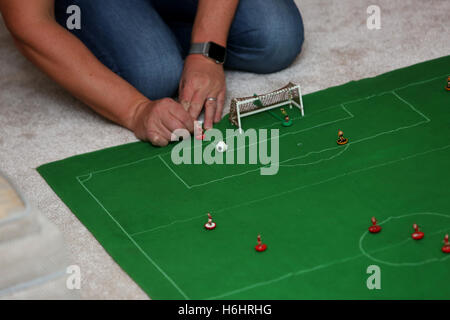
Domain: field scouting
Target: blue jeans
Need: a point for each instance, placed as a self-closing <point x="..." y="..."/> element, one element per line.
<point x="146" y="41"/>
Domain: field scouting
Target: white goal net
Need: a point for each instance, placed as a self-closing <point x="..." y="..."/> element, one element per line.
<point x="290" y="94"/>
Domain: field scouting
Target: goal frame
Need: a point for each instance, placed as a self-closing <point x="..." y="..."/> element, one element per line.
<point x="291" y="102"/>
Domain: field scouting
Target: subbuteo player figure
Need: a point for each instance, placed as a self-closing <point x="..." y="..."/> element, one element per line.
<point x="287" y="122"/>
<point x="448" y="84"/>
<point x="341" y="140"/>
<point x="374" y="228"/>
<point x="446" y="247"/>
<point x="210" y="225"/>
<point x="198" y="130"/>
<point x="260" y="247"/>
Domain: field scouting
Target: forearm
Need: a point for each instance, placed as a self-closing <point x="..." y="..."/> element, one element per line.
<point x="65" y="59"/>
<point x="213" y="20"/>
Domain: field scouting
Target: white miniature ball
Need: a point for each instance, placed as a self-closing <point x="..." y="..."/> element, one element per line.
<point x="221" y="146"/>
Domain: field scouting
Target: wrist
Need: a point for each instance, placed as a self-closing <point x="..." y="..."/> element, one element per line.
<point x="132" y="121"/>
<point x="201" y="58"/>
<point x="210" y="50"/>
<point x="220" y="41"/>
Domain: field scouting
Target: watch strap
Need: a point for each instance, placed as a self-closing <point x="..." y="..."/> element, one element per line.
<point x="199" y="48"/>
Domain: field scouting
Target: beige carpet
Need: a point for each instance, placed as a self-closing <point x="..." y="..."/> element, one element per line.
<point x="40" y="123"/>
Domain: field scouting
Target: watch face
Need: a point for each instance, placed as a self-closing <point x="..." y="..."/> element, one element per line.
<point x="217" y="52"/>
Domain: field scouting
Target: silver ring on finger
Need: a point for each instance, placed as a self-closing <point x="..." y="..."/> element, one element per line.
<point x="211" y="99"/>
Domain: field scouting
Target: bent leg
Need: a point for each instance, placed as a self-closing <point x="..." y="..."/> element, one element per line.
<point x="266" y="36"/>
<point x="131" y="39"/>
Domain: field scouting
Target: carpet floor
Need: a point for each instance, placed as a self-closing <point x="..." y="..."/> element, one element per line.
<point x="40" y="122"/>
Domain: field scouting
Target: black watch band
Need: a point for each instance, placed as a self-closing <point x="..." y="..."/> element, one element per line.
<point x="211" y="50"/>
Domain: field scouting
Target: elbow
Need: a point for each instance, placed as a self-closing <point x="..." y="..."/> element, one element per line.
<point x="23" y="30"/>
<point x="26" y="24"/>
<point x="19" y="39"/>
<point x="13" y="25"/>
<point x="18" y="32"/>
<point x="22" y="37"/>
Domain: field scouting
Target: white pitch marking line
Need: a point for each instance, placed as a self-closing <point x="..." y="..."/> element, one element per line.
<point x="318" y="161"/>
<point x="135" y="243"/>
<point x="176" y="175"/>
<point x="127" y="164"/>
<point x="285" y="276"/>
<point x="309" y="114"/>
<point x="189" y="187"/>
<point x="167" y="225"/>
<point x="345" y="109"/>
<point x="253" y="170"/>
<point x="409" y="239"/>
<point x="299" y="188"/>
<point x="403" y="264"/>
<point x="89" y="176"/>
<point x="243" y="173"/>
<point x="322" y="266"/>
<point x="335" y="177"/>
<point x="302" y="130"/>
<point x="328" y="108"/>
<point x="116" y="167"/>
<point x="411" y="106"/>
<point x="280" y="163"/>
<point x="327" y="149"/>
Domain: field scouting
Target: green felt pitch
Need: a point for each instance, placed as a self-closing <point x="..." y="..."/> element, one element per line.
<point x="314" y="214"/>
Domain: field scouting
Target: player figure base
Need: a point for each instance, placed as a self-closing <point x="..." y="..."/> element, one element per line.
<point x="261" y="247"/>
<point x="447" y="88"/>
<point x="418" y="235"/>
<point x="210" y="226"/>
<point x="446" y="249"/>
<point x="374" y="229"/>
<point x="342" y="142"/>
<point x="287" y="123"/>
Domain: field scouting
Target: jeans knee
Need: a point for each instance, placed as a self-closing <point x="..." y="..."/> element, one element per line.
<point x="280" y="44"/>
<point x="277" y="40"/>
<point x="131" y="39"/>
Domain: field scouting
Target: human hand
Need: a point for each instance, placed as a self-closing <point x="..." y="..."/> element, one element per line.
<point x="155" y="121"/>
<point x="202" y="78"/>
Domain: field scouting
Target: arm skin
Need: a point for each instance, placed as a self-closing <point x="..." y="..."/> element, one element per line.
<point x="202" y="77"/>
<point x="66" y="60"/>
<point x="213" y="21"/>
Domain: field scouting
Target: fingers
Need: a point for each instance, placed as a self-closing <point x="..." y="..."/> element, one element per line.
<point x="164" y="134"/>
<point x="157" y="138"/>
<point x="210" y="110"/>
<point x="171" y="124"/>
<point x="185" y="94"/>
<point x="183" y="116"/>
<point x="200" y="80"/>
<point x="197" y="102"/>
<point x="157" y="141"/>
<point x="166" y="116"/>
<point x="220" y="105"/>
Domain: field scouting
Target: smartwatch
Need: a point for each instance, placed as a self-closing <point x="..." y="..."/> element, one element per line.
<point x="210" y="50"/>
